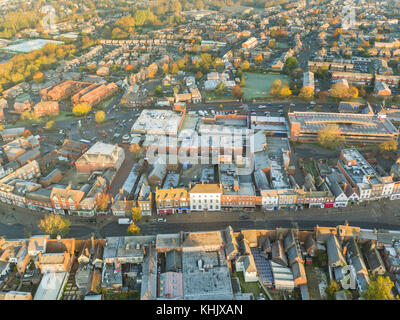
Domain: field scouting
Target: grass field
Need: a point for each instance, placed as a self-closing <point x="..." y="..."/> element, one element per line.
<point x="282" y="45"/>
<point x="257" y="85"/>
<point x="248" y="287"/>
<point x="64" y="115"/>
<point x="309" y="166"/>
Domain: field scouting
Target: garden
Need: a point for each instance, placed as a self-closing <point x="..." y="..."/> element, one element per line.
<point x="258" y="85"/>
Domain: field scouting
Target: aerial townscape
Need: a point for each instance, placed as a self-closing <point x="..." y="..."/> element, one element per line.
<point x="199" y="150"/>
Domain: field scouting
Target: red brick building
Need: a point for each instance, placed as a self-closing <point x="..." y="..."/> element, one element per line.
<point x="99" y="157"/>
<point x="99" y="94"/>
<point x="47" y="108"/>
<point x="64" y="200"/>
<point x="63" y="90"/>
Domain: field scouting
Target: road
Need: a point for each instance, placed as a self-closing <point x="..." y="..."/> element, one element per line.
<point x="113" y="229"/>
<point x="383" y="214"/>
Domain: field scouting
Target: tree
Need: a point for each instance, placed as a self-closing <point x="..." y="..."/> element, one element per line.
<point x="285" y="91"/>
<point x="165" y="68"/>
<point x="174" y="68"/>
<point x="181" y="64"/>
<point x="199" y="5"/>
<point x="307" y="93"/>
<point x="81" y="109"/>
<point x="278" y="90"/>
<point x="158" y="91"/>
<point x="136" y="150"/>
<point x="50" y="125"/>
<point x="330" y="136"/>
<point x="127" y="23"/>
<point x="27" y="115"/>
<point x="272" y="44"/>
<point x="339" y="91"/>
<point x="102" y="201"/>
<point x="54" y="225"/>
<point x="258" y="59"/>
<point x="322" y="73"/>
<point x="353" y="92"/>
<point x="199" y="75"/>
<point x="242" y="81"/>
<point x="27" y="133"/>
<point x="38" y="77"/>
<point x="136" y="214"/>
<point x="337" y="33"/>
<point x="100" y="116"/>
<point x="117" y="33"/>
<point x="333" y="288"/>
<point x="386" y="146"/>
<point x="290" y="64"/>
<point x="245" y="65"/>
<point x="221" y="88"/>
<point x="133" y="229"/>
<point x="205" y="62"/>
<point x="275" y="88"/>
<point x="380" y="288"/>
<point x="237" y="92"/>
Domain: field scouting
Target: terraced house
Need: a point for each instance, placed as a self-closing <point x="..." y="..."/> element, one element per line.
<point x="170" y="201"/>
<point x="205" y="197"/>
<point x="66" y="201"/>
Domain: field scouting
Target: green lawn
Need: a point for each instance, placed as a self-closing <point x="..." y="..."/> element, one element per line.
<point x="309" y="167"/>
<point x="257" y="85"/>
<point x="249" y="287"/>
<point x="282" y="45"/>
<point x="212" y="96"/>
<point x="64" y="115"/>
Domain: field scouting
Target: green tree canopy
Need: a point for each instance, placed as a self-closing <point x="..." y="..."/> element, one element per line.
<point x="380" y="288"/>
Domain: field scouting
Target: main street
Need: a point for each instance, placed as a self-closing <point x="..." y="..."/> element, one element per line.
<point x="384" y="214"/>
<point x="378" y="215"/>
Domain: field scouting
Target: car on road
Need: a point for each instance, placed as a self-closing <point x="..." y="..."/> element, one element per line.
<point x="262" y="107"/>
<point x="244" y="217"/>
<point x="161" y="220"/>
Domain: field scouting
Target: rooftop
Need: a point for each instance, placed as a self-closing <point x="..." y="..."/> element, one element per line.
<point x="348" y="123"/>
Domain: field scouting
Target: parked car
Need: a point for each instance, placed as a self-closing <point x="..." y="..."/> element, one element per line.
<point x="244" y="218"/>
<point x="161" y="220"/>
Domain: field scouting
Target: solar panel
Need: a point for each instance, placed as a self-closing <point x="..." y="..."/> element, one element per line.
<point x="264" y="268"/>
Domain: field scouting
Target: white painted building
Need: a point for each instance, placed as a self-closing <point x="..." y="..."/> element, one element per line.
<point x="270" y="199"/>
<point x="205" y="197"/>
